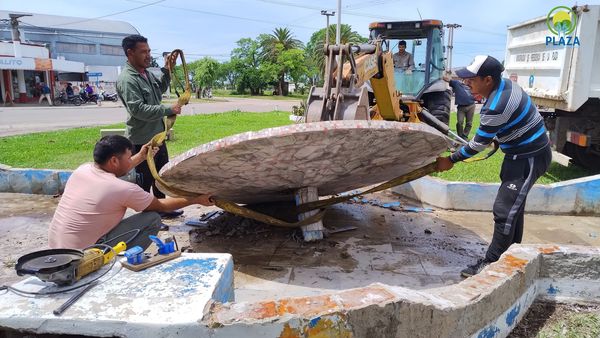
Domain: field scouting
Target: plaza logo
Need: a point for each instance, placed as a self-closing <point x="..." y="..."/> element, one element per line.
<point x="562" y="22"/>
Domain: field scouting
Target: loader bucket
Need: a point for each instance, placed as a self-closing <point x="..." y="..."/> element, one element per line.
<point x="352" y="104"/>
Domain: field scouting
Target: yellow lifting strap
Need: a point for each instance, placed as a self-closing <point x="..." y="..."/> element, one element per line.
<point x="184" y="98"/>
<point x="495" y="146"/>
<point x="228" y="206"/>
<point x="236" y="209"/>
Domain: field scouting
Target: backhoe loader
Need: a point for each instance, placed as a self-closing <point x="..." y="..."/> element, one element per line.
<point x="399" y="95"/>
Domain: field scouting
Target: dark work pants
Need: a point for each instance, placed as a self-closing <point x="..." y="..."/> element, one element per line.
<point x="464" y="114"/>
<point x="518" y="176"/>
<point x="146" y="181"/>
<point x="134" y="230"/>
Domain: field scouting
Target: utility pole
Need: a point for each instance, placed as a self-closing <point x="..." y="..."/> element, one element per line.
<point x="16" y="37"/>
<point x="338" y="30"/>
<point x="450" y="27"/>
<point x="327" y="14"/>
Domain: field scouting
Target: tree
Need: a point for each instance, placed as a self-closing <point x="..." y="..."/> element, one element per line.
<point x="227" y="75"/>
<point x="254" y="73"/>
<point x="293" y="63"/>
<point x="274" y="45"/>
<point x="315" y="54"/>
<point x="206" y="71"/>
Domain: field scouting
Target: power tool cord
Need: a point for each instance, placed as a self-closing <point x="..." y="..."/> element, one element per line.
<point x="37" y="293"/>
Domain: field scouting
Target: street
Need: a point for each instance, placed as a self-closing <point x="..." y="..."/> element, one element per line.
<point x="33" y="118"/>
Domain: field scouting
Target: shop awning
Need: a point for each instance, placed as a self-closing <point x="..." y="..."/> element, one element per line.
<point x="41" y="64"/>
<point x="72" y="77"/>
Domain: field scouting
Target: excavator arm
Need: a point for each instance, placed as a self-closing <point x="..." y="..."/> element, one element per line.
<point x="348" y="99"/>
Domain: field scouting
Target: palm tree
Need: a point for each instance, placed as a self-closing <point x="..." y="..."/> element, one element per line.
<point x="281" y="39"/>
<point x="314" y="48"/>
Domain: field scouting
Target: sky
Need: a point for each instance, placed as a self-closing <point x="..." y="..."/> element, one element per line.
<point x="212" y="28"/>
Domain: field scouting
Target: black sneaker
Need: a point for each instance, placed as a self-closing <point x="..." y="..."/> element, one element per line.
<point x="170" y="214"/>
<point x="476" y="268"/>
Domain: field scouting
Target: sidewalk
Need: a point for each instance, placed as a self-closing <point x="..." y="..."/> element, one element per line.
<point x="32" y="117"/>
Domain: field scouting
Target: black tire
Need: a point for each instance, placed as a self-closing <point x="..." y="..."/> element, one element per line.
<point x="438" y="104"/>
<point x="582" y="157"/>
<point x="57" y="101"/>
<point x="77" y="101"/>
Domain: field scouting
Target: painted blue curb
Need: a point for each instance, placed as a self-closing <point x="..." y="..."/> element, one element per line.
<point x="38" y="181"/>
<point x="578" y="196"/>
<point x="33" y="181"/>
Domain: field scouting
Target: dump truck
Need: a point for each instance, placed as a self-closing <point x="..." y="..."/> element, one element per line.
<point x="555" y="58"/>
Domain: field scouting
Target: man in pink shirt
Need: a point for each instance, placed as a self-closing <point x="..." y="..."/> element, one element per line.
<point x="92" y="207"/>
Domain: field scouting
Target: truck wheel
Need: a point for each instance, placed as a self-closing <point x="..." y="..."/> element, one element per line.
<point x="438" y="104"/>
<point x="582" y="156"/>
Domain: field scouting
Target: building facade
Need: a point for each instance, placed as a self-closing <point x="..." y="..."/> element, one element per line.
<point x="79" y="49"/>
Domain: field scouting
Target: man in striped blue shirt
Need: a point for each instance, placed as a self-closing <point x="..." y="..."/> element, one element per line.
<point x="512" y="119"/>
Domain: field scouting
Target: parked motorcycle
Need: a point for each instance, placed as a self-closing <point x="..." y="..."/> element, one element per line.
<point x="63" y="98"/>
<point x="85" y="97"/>
<point x="110" y="96"/>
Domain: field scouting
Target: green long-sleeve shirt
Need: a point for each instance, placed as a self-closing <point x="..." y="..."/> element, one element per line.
<point x="141" y="97"/>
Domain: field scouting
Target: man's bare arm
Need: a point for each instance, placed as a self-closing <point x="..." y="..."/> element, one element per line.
<point x="173" y="203"/>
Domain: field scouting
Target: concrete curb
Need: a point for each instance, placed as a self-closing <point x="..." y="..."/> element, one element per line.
<point x="38" y="181"/>
<point x="578" y="196"/>
<point x="488" y="305"/>
<point x="33" y="181"/>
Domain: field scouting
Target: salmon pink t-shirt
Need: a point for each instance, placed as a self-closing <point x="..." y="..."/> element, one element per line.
<point x="93" y="203"/>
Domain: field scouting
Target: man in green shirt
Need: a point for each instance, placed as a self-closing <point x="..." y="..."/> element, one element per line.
<point x="141" y="93"/>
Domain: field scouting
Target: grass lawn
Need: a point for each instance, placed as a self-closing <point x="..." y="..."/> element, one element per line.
<point x="489" y="170"/>
<point x="67" y="149"/>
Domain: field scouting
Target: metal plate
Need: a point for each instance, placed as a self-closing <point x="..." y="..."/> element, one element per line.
<point x="334" y="156"/>
<point x="47" y="261"/>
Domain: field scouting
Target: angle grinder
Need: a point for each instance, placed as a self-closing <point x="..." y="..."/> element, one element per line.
<point x="65" y="266"/>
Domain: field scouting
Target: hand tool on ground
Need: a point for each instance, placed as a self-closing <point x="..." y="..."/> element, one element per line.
<point x="65" y="266"/>
<point x="204" y="219"/>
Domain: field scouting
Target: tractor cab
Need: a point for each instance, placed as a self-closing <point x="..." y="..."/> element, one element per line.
<point x="418" y="76"/>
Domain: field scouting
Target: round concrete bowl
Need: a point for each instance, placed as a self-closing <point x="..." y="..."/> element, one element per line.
<point x="578" y="196"/>
<point x="489" y="304"/>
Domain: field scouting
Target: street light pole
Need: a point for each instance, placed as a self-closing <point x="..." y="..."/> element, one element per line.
<point x="450" y="44"/>
<point x="327" y="14"/>
<point x="339" y="24"/>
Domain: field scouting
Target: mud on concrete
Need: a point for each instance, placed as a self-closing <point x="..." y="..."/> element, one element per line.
<point x="419" y="250"/>
<point x="415" y="250"/>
